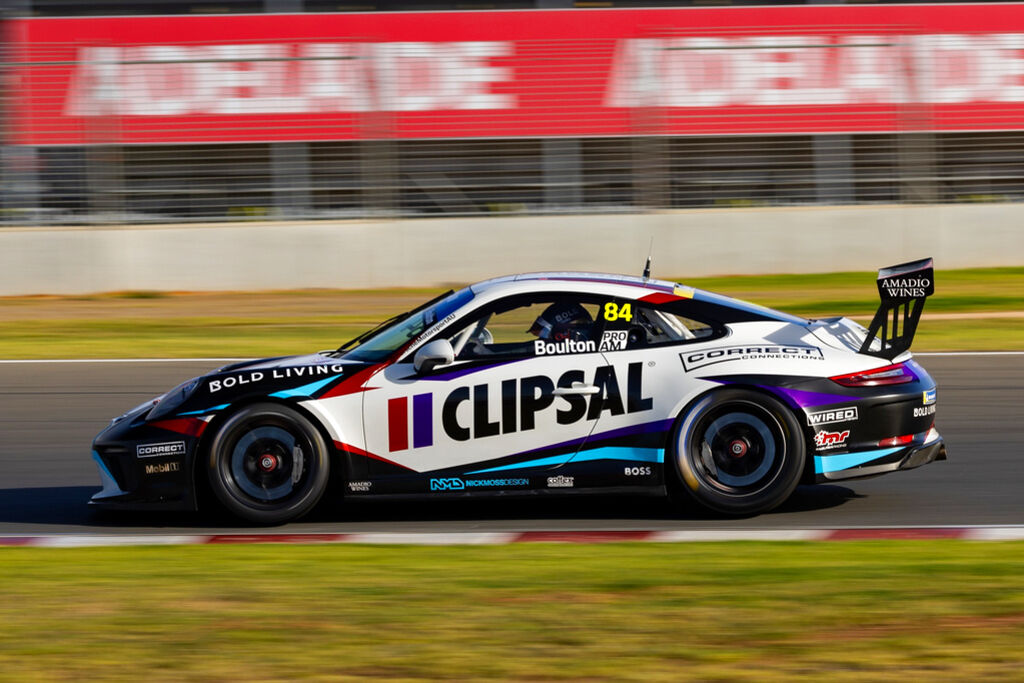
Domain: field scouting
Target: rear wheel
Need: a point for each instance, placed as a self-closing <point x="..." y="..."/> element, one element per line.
<point x="739" y="452"/>
<point x="267" y="464"/>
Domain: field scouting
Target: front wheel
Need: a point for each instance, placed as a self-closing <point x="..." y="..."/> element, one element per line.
<point x="267" y="464"/>
<point x="739" y="452"/>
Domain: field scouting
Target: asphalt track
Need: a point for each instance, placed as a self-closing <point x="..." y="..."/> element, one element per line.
<point x="50" y="411"/>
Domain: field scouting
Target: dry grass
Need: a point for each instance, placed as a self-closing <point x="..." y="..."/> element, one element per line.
<point x="972" y="310"/>
<point x="853" y="611"/>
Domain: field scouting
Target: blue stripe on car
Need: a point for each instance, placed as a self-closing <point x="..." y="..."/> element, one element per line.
<point x="844" y="461"/>
<point x="204" y="411"/>
<point x="110" y="486"/>
<point x="654" y="455"/>
<point x="305" y="390"/>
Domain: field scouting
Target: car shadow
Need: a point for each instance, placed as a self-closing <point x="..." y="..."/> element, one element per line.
<point x="45" y="505"/>
<point x="817" y="497"/>
<point x="67" y="506"/>
<point x="805" y="499"/>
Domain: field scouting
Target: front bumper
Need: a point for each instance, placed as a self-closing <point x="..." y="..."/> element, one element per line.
<point x="145" y="465"/>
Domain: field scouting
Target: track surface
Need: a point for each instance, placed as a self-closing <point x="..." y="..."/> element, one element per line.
<point x="49" y="413"/>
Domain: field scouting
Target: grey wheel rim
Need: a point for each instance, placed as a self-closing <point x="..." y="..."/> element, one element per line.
<point x="267" y="463"/>
<point x="738" y="449"/>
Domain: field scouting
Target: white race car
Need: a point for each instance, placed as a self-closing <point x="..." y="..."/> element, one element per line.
<point x="543" y="384"/>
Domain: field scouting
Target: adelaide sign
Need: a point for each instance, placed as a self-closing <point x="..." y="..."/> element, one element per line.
<point x="682" y="71"/>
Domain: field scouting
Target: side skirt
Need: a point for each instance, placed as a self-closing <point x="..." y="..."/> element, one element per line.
<point x="653" y="491"/>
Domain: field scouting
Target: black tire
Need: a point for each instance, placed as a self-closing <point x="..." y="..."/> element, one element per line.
<point x="267" y="464"/>
<point x="739" y="452"/>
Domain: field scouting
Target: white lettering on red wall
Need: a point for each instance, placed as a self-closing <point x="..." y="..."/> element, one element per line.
<point x="174" y="80"/>
<point x="169" y="80"/>
<point x="816" y="70"/>
<point x="552" y="73"/>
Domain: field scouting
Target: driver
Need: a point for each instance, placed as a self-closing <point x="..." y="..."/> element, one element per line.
<point x="563" y="320"/>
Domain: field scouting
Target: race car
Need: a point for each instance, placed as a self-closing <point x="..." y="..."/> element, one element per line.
<point x="540" y="384"/>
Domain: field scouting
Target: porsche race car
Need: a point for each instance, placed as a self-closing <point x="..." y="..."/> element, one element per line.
<point x="542" y="384"/>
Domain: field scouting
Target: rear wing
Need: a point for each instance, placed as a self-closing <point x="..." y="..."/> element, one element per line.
<point x="905" y="287"/>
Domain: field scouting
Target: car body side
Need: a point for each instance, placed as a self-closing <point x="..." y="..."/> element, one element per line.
<point x="479" y="427"/>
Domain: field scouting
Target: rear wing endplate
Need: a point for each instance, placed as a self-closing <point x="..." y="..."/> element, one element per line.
<point x="902" y="289"/>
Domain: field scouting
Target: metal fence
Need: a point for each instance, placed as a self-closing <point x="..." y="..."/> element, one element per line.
<point x="109" y="173"/>
<point x="134" y="184"/>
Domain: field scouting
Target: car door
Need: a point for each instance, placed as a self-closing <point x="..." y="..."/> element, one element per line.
<point x="517" y="399"/>
<point x="641" y="342"/>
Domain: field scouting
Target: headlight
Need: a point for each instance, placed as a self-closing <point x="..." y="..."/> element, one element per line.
<point x="174" y="398"/>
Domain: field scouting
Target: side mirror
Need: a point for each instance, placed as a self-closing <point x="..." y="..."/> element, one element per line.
<point x="437" y="353"/>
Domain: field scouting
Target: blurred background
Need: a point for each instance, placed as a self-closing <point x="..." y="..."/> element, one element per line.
<point x="318" y="142"/>
<point x="230" y="147"/>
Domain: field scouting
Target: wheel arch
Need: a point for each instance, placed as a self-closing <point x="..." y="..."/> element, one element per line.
<point x="798" y="412"/>
<point x="339" y="460"/>
<point x="673" y="475"/>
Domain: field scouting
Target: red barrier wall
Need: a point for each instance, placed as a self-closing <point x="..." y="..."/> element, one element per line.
<point x="688" y="71"/>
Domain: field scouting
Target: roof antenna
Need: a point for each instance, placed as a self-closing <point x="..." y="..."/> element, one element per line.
<point x="647" y="266"/>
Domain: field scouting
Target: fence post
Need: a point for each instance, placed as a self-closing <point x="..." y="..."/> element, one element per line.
<point x="289" y="168"/>
<point x="19" y="164"/>
<point x="833" y="169"/>
<point x="562" y="175"/>
<point x="289" y="161"/>
<point x="379" y="155"/>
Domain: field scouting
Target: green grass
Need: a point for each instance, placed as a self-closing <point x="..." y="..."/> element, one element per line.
<point x="148" y="324"/>
<point x="956" y="291"/>
<point x="257" y="338"/>
<point x="740" y="611"/>
<point x="177" y="337"/>
<point x="970" y="335"/>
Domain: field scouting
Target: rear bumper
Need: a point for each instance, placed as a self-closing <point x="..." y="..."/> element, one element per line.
<point x="860" y="464"/>
<point x="924" y="455"/>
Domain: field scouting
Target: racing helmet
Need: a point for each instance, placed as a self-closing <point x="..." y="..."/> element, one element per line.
<point x="562" y="320"/>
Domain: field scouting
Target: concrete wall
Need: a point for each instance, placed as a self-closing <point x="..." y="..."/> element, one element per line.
<point x="375" y="253"/>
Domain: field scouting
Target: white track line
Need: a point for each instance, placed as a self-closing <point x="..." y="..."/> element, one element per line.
<point x="237" y="360"/>
<point x="88" y="541"/>
<point x="129" y="360"/>
<point x="996" y="534"/>
<point x="465" y="538"/>
<point x="686" y="536"/>
<point x="895" y="533"/>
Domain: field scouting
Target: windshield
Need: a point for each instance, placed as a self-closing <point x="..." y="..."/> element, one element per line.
<point x="391" y="337"/>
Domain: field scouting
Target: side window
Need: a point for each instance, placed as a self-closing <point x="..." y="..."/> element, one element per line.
<point x="635" y="325"/>
<point x="520" y="327"/>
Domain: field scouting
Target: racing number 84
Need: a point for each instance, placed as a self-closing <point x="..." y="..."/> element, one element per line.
<point x="613" y="312"/>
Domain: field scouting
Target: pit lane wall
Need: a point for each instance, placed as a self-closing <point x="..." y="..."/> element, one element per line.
<point x="434" y="252"/>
